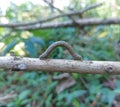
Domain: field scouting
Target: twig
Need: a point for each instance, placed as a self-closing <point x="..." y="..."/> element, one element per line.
<point x="95" y="102"/>
<point x="74" y="21"/>
<point x="51" y="5"/>
<point x="4" y="99"/>
<point x="81" y="22"/>
<point x="12" y="25"/>
<point x="83" y="82"/>
<point x="91" y="7"/>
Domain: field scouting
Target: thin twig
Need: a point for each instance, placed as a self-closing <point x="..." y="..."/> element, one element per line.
<point x="96" y="100"/>
<point x="51" y="5"/>
<point x="74" y="21"/>
<point x="12" y="25"/>
<point x="83" y="82"/>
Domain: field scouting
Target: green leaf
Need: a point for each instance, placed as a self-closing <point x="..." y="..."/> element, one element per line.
<point x="24" y="94"/>
<point x="33" y="45"/>
<point x="10" y="46"/>
<point x="76" y="103"/>
<point x="70" y="96"/>
<point x="117" y="91"/>
<point x="107" y="95"/>
<point x="51" y="87"/>
<point x="37" y="40"/>
<point x="30" y="47"/>
<point x="111" y="96"/>
<point x="75" y="94"/>
<point x="48" y="100"/>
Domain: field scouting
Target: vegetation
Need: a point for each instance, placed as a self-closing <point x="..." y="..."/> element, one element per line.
<point x="38" y="89"/>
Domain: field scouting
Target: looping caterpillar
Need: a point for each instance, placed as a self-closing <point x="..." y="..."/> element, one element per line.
<point x="62" y="44"/>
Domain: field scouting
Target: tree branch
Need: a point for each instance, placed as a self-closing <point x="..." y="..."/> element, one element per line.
<point x="74" y="21"/>
<point x="59" y="65"/>
<point x="51" y="5"/>
<point x="12" y="25"/>
<point x="80" y="22"/>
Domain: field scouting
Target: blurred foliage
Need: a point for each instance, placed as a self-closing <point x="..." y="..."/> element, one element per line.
<point x="93" y="43"/>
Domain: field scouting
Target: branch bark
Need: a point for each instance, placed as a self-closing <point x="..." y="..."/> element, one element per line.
<point x="80" y="22"/>
<point x="59" y="65"/>
<point x="12" y="25"/>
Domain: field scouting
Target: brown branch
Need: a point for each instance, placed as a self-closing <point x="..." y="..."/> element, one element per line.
<point x="51" y="5"/>
<point x="4" y="99"/>
<point x="15" y="63"/>
<point x="81" y="22"/>
<point x="74" y="21"/>
<point x="96" y="100"/>
<point x="12" y="25"/>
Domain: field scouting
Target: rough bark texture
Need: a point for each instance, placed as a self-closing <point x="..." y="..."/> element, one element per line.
<point x="80" y="22"/>
<point x="59" y="65"/>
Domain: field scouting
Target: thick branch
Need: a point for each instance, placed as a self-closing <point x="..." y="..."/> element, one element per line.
<point x="80" y="22"/>
<point x="12" y="25"/>
<point x="60" y="65"/>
